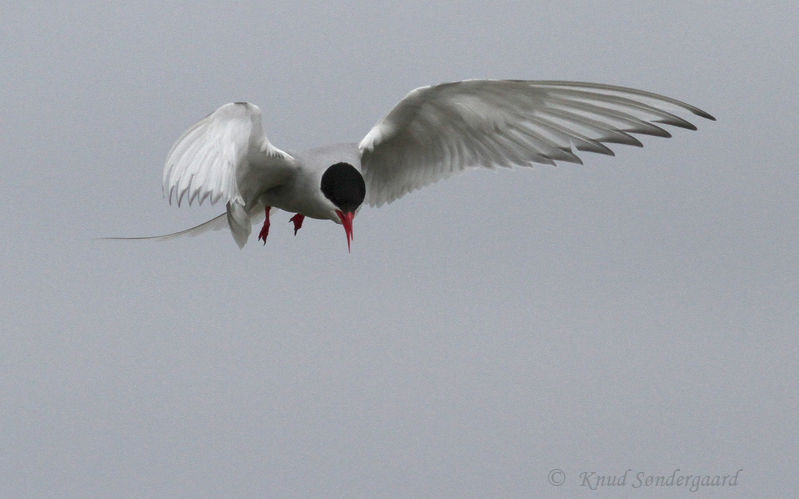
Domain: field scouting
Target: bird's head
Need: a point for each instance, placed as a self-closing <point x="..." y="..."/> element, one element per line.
<point x="343" y="185"/>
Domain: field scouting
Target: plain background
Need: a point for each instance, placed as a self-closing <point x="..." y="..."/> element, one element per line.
<point x="636" y="312"/>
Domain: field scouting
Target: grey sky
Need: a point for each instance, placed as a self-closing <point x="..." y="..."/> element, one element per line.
<point x="636" y="312"/>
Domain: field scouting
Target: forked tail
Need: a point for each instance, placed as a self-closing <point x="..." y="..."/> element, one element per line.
<point x="217" y="223"/>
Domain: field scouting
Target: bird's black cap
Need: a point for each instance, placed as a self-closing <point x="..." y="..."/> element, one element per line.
<point x="344" y="186"/>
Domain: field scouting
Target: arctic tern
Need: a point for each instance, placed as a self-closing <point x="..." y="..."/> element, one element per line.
<point x="431" y="134"/>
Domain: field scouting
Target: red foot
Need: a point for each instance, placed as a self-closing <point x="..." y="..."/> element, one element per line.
<point x="297" y="219"/>
<point x="265" y="229"/>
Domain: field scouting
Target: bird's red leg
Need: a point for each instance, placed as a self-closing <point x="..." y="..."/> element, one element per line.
<point x="265" y="229"/>
<point x="297" y="219"/>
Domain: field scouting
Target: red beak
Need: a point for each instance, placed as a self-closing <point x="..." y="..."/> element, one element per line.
<point x="346" y="221"/>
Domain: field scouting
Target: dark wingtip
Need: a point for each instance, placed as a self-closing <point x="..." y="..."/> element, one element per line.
<point x="703" y="114"/>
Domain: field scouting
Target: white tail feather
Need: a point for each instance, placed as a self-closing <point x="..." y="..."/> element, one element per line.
<point x="219" y="222"/>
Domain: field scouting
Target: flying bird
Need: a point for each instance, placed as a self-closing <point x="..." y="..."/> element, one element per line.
<point x="431" y="134"/>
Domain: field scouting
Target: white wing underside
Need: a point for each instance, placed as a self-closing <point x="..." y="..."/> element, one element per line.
<point x="439" y="130"/>
<point x="226" y="155"/>
<point x="208" y="160"/>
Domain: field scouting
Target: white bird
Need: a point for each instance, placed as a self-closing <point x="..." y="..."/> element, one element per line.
<point x="432" y="133"/>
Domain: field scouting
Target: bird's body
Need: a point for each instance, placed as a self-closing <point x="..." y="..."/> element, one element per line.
<point x="432" y="133"/>
<point x="302" y="194"/>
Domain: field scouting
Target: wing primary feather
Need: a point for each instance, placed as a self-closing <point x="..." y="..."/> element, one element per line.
<point x="201" y="176"/>
<point x="635" y="125"/>
<point x="515" y="149"/>
<point x="182" y="143"/>
<point x="580" y="141"/>
<point x="183" y="156"/>
<point x="624" y="91"/>
<point x="666" y="117"/>
<point x="551" y="149"/>
<point x="609" y="134"/>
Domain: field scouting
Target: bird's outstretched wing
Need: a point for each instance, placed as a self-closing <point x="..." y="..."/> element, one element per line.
<point x="439" y="130"/>
<point x="212" y="156"/>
